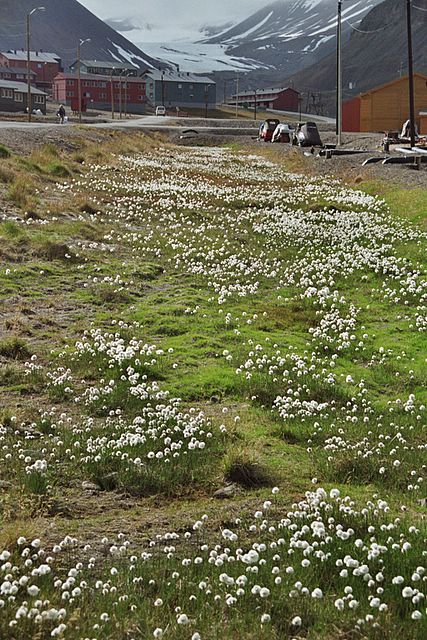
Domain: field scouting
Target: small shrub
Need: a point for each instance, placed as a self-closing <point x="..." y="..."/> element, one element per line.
<point x="111" y="296"/>
<point x="14" y="349"/>
<point x="242" y="468"/>
<point x="4" y="152"/>
<point x="87" y="208"/>
<point x="58" y="169"/>
<point x="6" y="176"/>
<point x="56" y="251"/>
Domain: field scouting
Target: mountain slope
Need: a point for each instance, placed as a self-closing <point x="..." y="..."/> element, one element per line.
<point x="59" y="28"/>
<point x="375" y="57"/>
<point x="291" y="34"/>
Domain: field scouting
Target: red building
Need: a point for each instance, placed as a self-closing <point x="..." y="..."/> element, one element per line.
<point x="280" y="99"/>
<point x="45" y="65"/>
<point x="128" y="93"/>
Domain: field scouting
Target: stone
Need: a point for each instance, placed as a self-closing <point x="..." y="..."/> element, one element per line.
<point x="90" y="486"/>
<point x="226" y="492"/>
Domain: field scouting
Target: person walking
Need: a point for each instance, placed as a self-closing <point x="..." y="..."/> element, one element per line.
<point x="61" y="114"/>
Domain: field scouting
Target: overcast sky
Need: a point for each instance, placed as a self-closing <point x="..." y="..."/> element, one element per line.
<point x="165" y="17"/>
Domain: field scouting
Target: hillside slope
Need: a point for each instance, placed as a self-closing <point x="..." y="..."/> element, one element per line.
<point x="375" y="57"/>
<point x="59" y="28"/>
<point x="291" y="34"/>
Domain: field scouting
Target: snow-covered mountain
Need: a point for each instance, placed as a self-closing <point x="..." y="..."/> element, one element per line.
<point x="59" y="28"/>
<point x="291" y="34"/>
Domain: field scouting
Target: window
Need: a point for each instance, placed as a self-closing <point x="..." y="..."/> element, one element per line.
<point x="70" y="94"/>
<point x="179" y="86"/>
<point x="19" y="97"/>
<point x="103" y="96"/>
<point x="39" y="99"/>
<point x="7" y="93"/>
<point x="39" y="65"/>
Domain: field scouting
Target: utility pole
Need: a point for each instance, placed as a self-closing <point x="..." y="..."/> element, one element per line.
<point x="29" y="101"/>
<point x="339" y="75"/>
<point x="255" y="105"/>
<point x="126" y="94"/>
<point x="206" y="100"/>
<point x="120" y="95"/>
<point x="237" y="94"/>
<point x="411" y="75"/>
<point x="163" y="88"/>
<point x="112" y="94"/>
<point x="79" y="76"/>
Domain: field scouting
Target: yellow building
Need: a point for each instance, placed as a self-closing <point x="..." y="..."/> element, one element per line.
<point x="385" y="107"/>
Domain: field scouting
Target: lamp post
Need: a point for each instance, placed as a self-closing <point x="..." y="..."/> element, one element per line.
<point x="339" y="75"/>
<point x="79" y="78"/>
<point x="411" y="75"/>
<point x="29" y="102"/>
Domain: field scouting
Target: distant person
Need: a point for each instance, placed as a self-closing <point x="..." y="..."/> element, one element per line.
<point x="61" y="114"/>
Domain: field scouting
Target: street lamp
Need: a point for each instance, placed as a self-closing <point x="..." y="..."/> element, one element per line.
<point x="79" y="79"/>
<point x="29" y="103"/>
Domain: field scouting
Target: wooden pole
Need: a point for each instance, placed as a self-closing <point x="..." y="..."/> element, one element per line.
<point x="339" y="75"/>
<point x="28" y="70"/>
<point x="79" y="82"/>
<point x="112" y="95"/>
<point x="411" y="75"/>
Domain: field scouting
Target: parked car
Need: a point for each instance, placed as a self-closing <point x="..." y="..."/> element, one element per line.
<point x="307" y="135"/>
<point x="267" y="129"/>
<point x="283" y="133"/>
<point x="160" y="111"/>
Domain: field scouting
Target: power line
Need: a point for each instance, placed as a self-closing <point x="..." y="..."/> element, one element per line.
<point x="361" y="31"/>
<point x="419" y="8"/>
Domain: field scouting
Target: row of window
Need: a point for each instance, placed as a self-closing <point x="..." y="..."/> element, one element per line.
<point x="105" y="96"/>
<point x="19" y="97"/>
<point x="102" y="85"/>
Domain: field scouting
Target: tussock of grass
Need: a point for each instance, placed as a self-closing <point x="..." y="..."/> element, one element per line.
<point x="14" y="349"/>
<point x="4" y="151"/>
<point x="243" y="468"/>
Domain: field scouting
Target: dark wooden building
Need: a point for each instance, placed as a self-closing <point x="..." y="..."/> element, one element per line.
<point x="14" y="97"/>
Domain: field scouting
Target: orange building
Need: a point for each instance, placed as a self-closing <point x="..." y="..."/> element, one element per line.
<point x="385" y="107"/>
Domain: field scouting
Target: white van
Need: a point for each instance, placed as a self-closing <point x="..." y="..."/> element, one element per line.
<point x="160" y="111"/>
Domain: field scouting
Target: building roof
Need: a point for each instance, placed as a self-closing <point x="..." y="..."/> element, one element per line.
<point x="101" y="64"/>
<point x="94" y="76"/>
<point x="19" y="70"/>
<point x="177" y="76"/>
<point x="20" y="86"/>
<point x="35" y="56"/>
<point x="391" y="82"/>
<point x="263" y="92"/>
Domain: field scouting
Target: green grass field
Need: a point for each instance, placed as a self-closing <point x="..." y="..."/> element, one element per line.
<point x="178" y="320"/>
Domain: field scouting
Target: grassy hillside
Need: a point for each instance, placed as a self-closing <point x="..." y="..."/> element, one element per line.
<point x="182" y="321"/>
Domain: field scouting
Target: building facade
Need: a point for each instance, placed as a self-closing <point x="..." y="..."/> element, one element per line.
<point x="16" y="74"/>
<point x="179" y="89"/>
<point x="386" y="107"/>
<point x="279" y="99"/>
<point x="96" y="92"/>
<point x="45" y="65"/>
<point x="14" y="97"/>
<point x="100" y="68"/>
